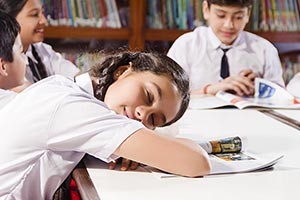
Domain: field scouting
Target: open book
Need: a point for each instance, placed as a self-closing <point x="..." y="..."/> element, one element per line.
<point x="267" y="95"/>
<point x="230" y="159"/>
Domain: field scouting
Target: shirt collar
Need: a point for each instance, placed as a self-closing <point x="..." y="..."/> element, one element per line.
<point x="84" y="82"/>
<point x="215" y="42"/>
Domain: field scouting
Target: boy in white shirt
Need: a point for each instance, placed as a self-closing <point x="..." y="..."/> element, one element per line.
<point x="12" y="60"/>
<point x="248" y="56"/>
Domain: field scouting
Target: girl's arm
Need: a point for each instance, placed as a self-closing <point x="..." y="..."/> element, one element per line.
<point x="178" y="156"/>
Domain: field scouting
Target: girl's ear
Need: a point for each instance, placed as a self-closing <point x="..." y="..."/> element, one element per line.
<point x="3" y="68"/>
<point x="121" y="70"/>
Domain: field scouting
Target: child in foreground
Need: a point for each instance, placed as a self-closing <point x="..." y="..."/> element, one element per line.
<point x="12" y="60"/>
<point x="107" y="113"/>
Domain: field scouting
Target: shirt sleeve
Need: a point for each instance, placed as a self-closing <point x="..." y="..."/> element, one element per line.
<point x="86" y="125"/>
<point x="273" y="70"/>
<point x="179" y="51"/>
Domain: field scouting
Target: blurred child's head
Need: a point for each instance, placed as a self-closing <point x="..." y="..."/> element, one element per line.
<point x="148" y="87"/>
<point x="12" y="58"/>
<point x="29" y="14"/>
<point x="227" y="18"/>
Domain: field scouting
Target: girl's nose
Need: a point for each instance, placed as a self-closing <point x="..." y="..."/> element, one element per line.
<point x="43" y="20"/>
<point x="142" y="114"/>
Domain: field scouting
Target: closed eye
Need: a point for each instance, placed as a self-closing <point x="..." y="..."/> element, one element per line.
<point x="150" y="98"/>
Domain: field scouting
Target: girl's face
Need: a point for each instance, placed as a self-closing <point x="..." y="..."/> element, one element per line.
<point x="32" y="22"/>
<point x="145" y="97"/>
<point x="16" y="70"/>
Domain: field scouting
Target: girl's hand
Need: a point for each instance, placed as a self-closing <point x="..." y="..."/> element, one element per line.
<point x="125" y="165"/>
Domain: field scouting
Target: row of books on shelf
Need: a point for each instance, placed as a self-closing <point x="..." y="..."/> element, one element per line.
<point x="84" y="61"/>
<point x="87" y="13"/>
<point x="174" y="14"/>
<point x="290" y="68"/>
<point x="267" y="15"/>
<point x="275" y="15"/>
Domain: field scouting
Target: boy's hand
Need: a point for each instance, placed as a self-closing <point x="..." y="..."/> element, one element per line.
<point x="239" y="85"/>
<point x="248" y="73"/>
<point x="125" y="165"/>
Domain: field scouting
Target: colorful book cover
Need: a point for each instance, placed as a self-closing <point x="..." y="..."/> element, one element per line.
<point x="85" y="13"/>
<point x="190" y="13"/>
<point x="115" y="13"/>
<point x="164" y="15"/>
<point x="104" y="12"/>
<point x="170" y="15"/>
<point x="90" y="21"/>
<point x="71" y="17"/>
<point x="79" y="14"/>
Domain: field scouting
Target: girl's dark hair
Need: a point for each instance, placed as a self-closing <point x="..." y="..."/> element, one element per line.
<point x="158" y="64"/>
<point x="9" y="30"/>
<point x="13" y="7"/>
<point x="240" y="3"/>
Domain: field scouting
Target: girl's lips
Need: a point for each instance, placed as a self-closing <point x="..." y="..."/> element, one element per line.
<point x="39" y="30"/>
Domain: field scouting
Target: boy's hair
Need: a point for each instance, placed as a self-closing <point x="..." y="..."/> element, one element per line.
<point x="239" y="3"/>
<point x="158" y="64"/>
<point x="9" y="30"/>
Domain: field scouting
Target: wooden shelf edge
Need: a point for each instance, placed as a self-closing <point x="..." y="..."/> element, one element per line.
<point x="61" y="32"/>
<point x="163" y="35"/>
<point x="280" y="37"/>
<point x="171" y="35"/>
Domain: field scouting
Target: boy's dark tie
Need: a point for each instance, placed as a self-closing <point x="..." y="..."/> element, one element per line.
<point x="224" y="65"/>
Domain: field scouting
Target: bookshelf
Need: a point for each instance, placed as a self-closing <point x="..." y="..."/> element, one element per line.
<point x="136" y="35"/>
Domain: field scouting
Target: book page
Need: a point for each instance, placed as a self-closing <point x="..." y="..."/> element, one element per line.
<point x="267" y="95"/>
<point x="241" y="163"/>
<point x="207" y="102"/>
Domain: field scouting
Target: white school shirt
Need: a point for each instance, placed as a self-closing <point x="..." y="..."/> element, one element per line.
<point x="293" y="86"/>
<point x="53" y="61"/>
<point x="47" y="129"/>
<point x="5" y="97"/>
<point x="199" y="53"/>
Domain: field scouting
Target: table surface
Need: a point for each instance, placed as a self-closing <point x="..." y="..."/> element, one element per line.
<point x="262" y="134"/>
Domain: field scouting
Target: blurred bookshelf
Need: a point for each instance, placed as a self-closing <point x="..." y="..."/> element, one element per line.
<point x="153" y="25"/>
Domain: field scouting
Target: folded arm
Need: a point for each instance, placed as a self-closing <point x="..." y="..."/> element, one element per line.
<point x="178" y="156"/>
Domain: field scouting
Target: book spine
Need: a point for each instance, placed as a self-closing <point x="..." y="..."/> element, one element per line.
<point x="296" y="6"/>
<point x="71" y="18"/>
<point x="170" y="15"/>
<point x="103" y="11"/>
<point x="79" y="15"/>
<point x="85" y="13"/>
<point x="89" y="13"/>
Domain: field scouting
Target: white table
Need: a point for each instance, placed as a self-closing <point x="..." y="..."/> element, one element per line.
<point x="264" y="135"/>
